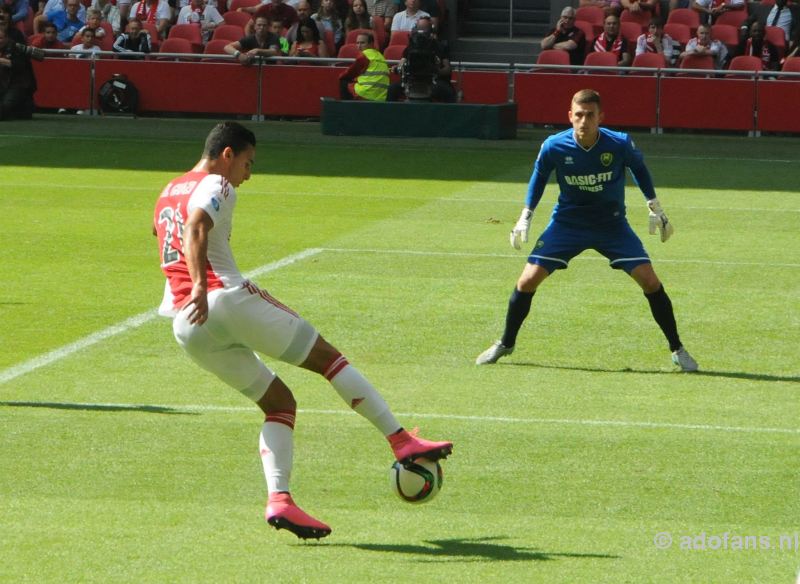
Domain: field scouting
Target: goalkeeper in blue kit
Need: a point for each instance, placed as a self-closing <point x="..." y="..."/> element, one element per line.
<point x="590" y="164"/>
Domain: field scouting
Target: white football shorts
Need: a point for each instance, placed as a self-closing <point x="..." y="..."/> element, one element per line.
<point x="241" y="321"/>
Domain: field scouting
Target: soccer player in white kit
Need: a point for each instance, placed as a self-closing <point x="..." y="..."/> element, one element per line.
<point x="220" y="319"/>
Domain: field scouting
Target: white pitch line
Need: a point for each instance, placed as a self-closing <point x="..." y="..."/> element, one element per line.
<point x="414" y="415"/>
<point x="126" y="325"/>
<point x="523" y="256"/>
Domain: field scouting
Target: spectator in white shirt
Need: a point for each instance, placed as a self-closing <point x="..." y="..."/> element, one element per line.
<point x="408" y="18"/>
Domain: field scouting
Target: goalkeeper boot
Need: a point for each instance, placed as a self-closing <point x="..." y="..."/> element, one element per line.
<point x="493" y="353"/>
<point x="407" y="447"/>
<point x="684" y="360"/>
<point x="282" y="513"/>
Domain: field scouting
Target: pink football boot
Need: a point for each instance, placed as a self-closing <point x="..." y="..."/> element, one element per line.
<point x="282" y="513"/>
<point x="407" y="447"/>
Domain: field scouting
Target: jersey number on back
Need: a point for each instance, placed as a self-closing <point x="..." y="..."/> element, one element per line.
<point x="173" y="225"/>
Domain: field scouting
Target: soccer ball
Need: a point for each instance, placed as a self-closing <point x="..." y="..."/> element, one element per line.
<point x="416" y="482"/>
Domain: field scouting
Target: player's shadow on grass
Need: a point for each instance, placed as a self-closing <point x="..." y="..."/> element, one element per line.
<point x="474" y="550"/>
<point x="96" y="407"/>
<point x="729" y="374"/>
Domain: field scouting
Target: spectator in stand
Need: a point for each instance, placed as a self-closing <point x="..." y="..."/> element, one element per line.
<point x="655" y="41"/>
<point x="567" y="37"/>
<point x="608" y="6"/>
<point x="274" y="10"/>
<point x="611" y="41"/>
<point x="263" y="43"/>
<point x="136" y="40"/>
<point x="793" y="50"/>
<point x="276" y="29"/>
<point x="157" y="12"/>
<point x="17" y="81"/>
<point x="202" y="14"/>
<point x="386" y="9"/>
<point x="19" y="10"/>
<point x="13" y="34"/>
<point x="758" y="46"/>
<point x="93" y="18"/>
<point x="357" y="17"/>
<point x="111" y="13"/>
<point x="53" y="6"/>
<point x="48" y="39"/>
<point x="408" y="18"/>
<point x="442" y="88"/>
<point x="329" y="18"/>
<point x="309" y="43"/>
<point x="702" y="44"/>
<point x="710" y="10"/>
<point x="368" y="77"/>
<point x="781" y="15"/>
<point x="429" y="6"/>
<point x="87" y="46"/>
<point x="634" y="6"/>
<point x="67" y="22"/>
<point x="303" y="12"/>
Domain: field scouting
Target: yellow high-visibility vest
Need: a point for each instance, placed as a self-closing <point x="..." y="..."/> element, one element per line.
<point x="373" y="84"/>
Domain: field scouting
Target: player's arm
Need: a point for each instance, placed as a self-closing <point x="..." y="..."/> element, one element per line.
<point x="541" y="172"/>
<point x="641" y="176"/>
<point x="195" y="250"/>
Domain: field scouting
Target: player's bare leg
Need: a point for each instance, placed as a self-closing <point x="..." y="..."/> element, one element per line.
<point x="365" y="400"/>
<point x="661" y="308"/>
<point x="519" y="305"/>
<point x="276" y="445"/>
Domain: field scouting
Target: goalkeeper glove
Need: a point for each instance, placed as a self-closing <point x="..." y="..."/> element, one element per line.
<point x="520" y="231"/>
<point x="659" y="221"/>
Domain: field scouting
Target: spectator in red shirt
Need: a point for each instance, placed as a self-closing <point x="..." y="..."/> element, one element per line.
<point x="48" y="39"/>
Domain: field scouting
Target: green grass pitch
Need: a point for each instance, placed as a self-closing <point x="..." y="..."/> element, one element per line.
<point x="120" y="461"/>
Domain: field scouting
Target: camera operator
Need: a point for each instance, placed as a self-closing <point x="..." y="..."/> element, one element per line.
<point x="423" y="34"/>
<point x="17" y="81"/>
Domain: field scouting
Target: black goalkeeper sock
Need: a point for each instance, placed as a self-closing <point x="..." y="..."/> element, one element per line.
<point x="661" y="307"/>
<point x="519" y="305"/>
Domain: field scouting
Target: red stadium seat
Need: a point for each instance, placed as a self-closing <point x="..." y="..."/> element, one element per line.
<point x="649" y="60"/>
<point x="791" y="65"/>
<point x="228" y="32"/>
<point x="776" y="36"/>
<point x="552" y="57"/>
<point x="727" y="34"/>
<point x="745" y="63"/>
<point x="189" y="32"/>
<point x="399" y="37"/>
<point x="630" y="31"/>
<point x="642" y="18"/>
<point x="588" y="31"/>
<point x="394" y="52"/>
<point x="237" y="18"/>
<point x="678" y="32"/>
<point x="379" y="31"/>
<point x="732" y="17"/>
<point x="175" y="45"/>
<point x="594" y="15"/>
<point x="349" y="51"/>
<point x="696" y="62"/>
<point x="602" y="60"/>
<point x="685" y="16"/>
<point x="217" y="47"/>
<point x="330" y="43"/>
<point x="350" y="39"/>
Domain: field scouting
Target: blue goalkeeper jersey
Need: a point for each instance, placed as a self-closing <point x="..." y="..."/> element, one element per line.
<point x="591" y="181"/>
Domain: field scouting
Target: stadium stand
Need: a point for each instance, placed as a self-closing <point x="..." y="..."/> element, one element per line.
<point x="593" y="15"/>
<point x="350" y="39"/>
<point x="394" y="52"/>
<point x="399" y="37"/>
<point x="237" y="18"/>
<point x="732" y="17"/>
<point x="685" y="16"/>
<point x="630" y="31"/>
<point x="727" y="34"/>
<point x="228" y="32"/>
<point x="776" y="36"/>
<point x="679" y="32"/>
<point x="745" y="63"/>
<point x="606" y="59"/>
<point x="189" y="32"/>
<point x="642" y="18"/>
<point x="348" y="51"/>
<point x="696" y="62"/>
<point x="175" y="45"/>
<point x="552" y="57"/>
<point x="649" y="60"/>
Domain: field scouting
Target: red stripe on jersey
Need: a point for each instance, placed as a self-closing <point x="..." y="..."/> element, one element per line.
<point x="334" y="367"/>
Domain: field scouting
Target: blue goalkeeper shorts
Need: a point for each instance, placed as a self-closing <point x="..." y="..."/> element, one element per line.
<point x="559" y="243"/>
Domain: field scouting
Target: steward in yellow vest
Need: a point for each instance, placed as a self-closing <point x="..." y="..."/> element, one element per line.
<point x="368" y="77"/>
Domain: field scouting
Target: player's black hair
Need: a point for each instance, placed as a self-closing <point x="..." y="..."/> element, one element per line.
<point x="228" y="134"/>
<point x="585" y="96"/>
